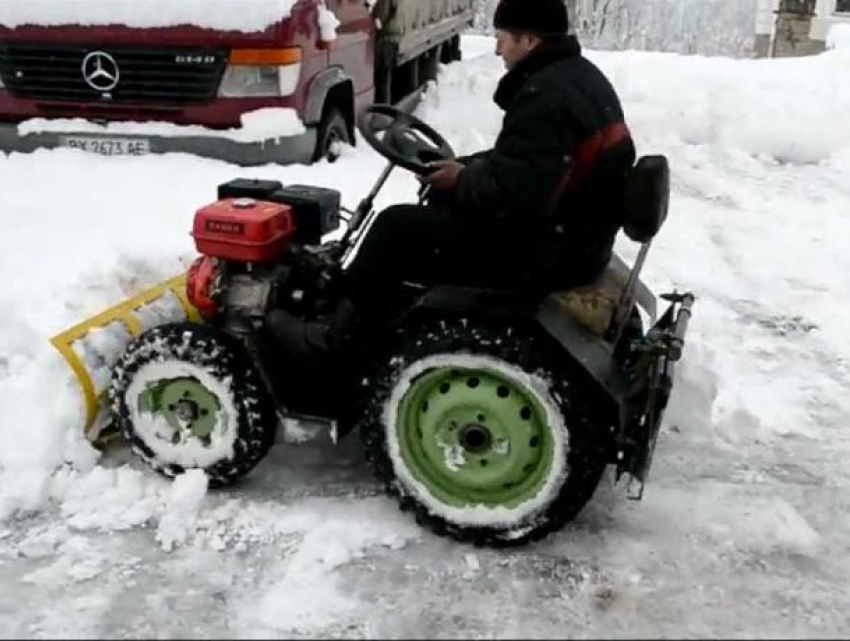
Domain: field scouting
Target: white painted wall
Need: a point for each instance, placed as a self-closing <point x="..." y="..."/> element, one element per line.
<point x="825" y="17"/>
<point x="765" y="17"/>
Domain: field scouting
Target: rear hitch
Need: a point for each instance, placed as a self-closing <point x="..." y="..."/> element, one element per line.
<point x="652" y="384"/>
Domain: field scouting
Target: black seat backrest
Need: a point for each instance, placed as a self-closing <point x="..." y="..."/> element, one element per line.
<point x="647" y="198"/>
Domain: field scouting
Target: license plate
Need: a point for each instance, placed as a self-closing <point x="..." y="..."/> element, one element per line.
<point x="108" y="146"/>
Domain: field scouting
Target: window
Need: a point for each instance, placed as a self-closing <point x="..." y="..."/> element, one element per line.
<point x="842" y="6"/>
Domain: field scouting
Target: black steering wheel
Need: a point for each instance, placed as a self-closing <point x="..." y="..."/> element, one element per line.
<point x="406" y="141"/>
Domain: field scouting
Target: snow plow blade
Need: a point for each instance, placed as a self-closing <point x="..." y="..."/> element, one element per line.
<point x="92" y="347"/>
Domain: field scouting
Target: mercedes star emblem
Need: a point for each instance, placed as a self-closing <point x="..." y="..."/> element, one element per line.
<point x="100" y="71"/>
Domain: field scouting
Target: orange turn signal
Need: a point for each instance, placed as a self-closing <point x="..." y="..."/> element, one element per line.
<point x="265" y="57"/>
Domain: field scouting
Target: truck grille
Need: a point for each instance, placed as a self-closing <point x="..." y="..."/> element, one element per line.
<point x="163" y="76"/>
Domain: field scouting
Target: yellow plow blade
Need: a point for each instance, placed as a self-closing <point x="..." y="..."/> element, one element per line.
<point x="92" y="347"/>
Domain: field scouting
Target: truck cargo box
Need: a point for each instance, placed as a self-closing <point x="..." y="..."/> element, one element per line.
<point x="412" y="26"/>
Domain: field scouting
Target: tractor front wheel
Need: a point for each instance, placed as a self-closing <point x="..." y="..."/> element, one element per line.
<point x="187" y="396"/>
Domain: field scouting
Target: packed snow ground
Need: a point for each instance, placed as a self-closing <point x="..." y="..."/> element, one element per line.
<point x="744" y="528"/>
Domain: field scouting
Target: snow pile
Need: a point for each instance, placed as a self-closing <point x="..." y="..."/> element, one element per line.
<point x="838" y="36"/>
<point x="268" y="123"/>
<point x="759" y="107"/>
<point x="183" y="514"/>
<point x="36" y="388"/>
<point x="237" y="15"/>
<point x="109" y="499"/>
<point x="181" y="508"/>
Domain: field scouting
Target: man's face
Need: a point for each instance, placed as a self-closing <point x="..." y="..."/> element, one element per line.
<point x="513" y="48"/>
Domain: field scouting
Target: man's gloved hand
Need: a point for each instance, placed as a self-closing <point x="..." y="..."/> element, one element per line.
<point x="444" y="176"/>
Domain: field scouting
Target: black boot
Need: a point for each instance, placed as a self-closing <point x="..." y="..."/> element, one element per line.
<point x="313" y="346"/>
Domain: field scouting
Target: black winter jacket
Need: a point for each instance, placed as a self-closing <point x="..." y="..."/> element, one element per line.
<point x="558" y="107"/>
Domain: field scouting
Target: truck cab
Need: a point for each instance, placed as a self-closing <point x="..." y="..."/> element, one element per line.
<point x="283" y="88"/>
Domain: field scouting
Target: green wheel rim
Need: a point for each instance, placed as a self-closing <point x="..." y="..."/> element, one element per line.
<point x="475" y="437"/>
<point x="186" y="405"/>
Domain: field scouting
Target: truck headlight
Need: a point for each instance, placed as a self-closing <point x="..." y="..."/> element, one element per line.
<point x="255" y="73"/>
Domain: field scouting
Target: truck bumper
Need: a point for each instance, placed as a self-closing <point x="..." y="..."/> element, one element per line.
<point x="284" y="150"/>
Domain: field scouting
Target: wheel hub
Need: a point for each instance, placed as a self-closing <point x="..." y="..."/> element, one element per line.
<point x="189" y="408"/>
<point x="474" y="437"/>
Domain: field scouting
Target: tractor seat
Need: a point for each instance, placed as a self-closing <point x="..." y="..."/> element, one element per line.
<point x="645" y="205"/>
<point x="593" y="305"/>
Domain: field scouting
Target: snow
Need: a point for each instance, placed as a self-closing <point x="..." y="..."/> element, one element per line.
<point x="181" y="508"/>
<point x="307" y="596"/>
<point x="257" y="126"/>
<point x="237" y="15"/>
<point x="481" y="515"/>
<point x="838" y="36"/>
<point x="743" y="528"/>
<point x="328" y="22"/>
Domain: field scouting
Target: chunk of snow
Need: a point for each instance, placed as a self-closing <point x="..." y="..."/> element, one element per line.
<point x="328" y="22"/>
<point x="181" y="508"/>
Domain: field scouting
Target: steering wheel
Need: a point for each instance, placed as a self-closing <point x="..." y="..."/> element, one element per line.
<point x="407" y="141"/>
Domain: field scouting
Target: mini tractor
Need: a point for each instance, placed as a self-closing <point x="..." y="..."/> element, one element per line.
<point x="490" y="415"/>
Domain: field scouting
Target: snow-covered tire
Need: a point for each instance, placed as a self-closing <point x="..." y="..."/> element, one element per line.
<point x="187" y="396"/>
<point x="332" y="132"/>
<point x="536" y="459"/>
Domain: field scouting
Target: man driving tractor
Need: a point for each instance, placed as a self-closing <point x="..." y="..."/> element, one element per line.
<point x="538" y="212"/>
<point x="488" y="398"/>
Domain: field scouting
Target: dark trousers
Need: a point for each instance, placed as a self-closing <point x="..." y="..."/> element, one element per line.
<point x="409" y="248"/>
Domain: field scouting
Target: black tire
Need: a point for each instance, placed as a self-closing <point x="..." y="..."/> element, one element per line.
<point x="456" y="49"/>
<point x="584" y="458"/>
<point x="212" y="360"/>
<point x="333" y="130"/>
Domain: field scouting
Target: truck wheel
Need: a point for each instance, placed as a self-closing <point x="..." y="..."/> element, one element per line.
<point x="456" y="53"/>
<point x="333" y="132"/>
<point x="187" y="396"/>
<point x="476" y="428"/>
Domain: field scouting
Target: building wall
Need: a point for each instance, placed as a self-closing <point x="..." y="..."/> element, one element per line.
<point x="796" y="27"/>
<point x="792" y="36"/>
<point x="828" y="13"/>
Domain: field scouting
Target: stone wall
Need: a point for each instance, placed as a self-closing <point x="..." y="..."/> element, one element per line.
<point x="793" y="29"/>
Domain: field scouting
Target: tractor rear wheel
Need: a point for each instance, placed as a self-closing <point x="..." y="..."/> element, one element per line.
<point x="477" y="429"/>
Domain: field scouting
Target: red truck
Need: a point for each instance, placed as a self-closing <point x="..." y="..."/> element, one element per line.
<point x="142" y="86"/>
